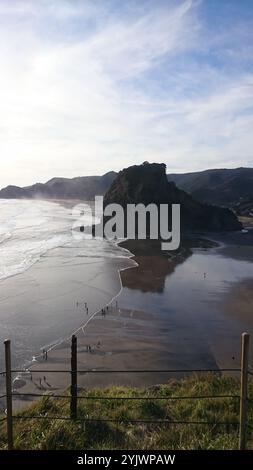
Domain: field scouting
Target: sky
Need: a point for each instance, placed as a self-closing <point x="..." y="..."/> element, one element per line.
<point x="89" y="86"/>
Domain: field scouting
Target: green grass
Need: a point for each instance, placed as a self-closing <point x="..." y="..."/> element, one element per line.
<point x="60" y="434"/>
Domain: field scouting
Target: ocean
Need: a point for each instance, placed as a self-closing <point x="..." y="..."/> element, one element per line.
<point x="47" y="269"/>
<point x="29" y="229"/>
<point x="48" y="274"/>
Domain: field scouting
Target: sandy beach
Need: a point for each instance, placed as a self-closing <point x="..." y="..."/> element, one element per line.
<point x="240" y="302"/>
<point x="149" y="324"/>
<point x="122" y="340"/>
<point x="46" y="303"/>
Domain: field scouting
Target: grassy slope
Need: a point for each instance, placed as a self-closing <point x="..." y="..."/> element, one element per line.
<point x="46" y="434"/>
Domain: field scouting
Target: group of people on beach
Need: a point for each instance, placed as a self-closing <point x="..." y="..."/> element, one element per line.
<point x="40" y="381"/>
<point x="86" y="308"/>
<point x="88" y="347"/>
<point x="103" y="310"/>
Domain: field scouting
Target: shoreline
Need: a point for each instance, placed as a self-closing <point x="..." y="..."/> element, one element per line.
<point x="81" y="330"/>
<point x="118" y="263"/>
<point x="61" y="350"/>
<point x="91" y="317"/>
<point x="49" y="291"/>
<point x="127" y="338"/>
<point x="129" y="347"/>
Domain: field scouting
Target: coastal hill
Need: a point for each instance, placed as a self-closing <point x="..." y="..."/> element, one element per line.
<point x="84" y="187"/>
<point x="147" y="183"/>
<point x="227" y="187"/>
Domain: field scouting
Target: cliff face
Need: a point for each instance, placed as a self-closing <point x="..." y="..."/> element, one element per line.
<point x="147" y="183"/>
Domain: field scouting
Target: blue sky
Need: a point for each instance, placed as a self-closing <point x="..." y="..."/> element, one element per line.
<point x="90" y="86"/>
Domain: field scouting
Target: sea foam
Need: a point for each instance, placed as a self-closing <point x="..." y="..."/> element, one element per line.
<point x="31" y="228"/>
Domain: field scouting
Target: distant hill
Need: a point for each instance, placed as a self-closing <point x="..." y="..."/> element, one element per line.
<point x="226" y="187"/>
<point x="83" y="187"/>
<point x="147" y="183"/>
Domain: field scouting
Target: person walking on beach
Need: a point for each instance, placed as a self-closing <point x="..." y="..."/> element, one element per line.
<point x="40" y="383"/>
<point x="46" y="355"/>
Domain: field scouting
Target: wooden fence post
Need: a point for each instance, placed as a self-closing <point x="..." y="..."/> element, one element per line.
<point x="8" y="384"/>
<point x="244" y="391"/>
<point x="73" y="390"/>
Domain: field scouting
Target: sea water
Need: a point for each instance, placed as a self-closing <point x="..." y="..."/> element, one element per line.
<point x="48" y="273"/>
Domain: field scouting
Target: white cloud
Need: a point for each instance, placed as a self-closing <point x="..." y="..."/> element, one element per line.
<point x="82" y="103"/>
<point x="60" y="9"/>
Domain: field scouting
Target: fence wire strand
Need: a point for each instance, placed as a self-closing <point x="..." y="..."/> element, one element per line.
<point x="81" y="397"/>
<point x="133" y="371"/>
<point x="127" y="421"/>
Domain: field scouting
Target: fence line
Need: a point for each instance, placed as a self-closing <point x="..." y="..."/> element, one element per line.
<point x="126" y="421"/>
<point x="149" y="397"/>
<point x="123" y="371"/>
<point x="242" y="423"/>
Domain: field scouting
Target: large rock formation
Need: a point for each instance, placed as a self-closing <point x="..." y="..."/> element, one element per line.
<point x="147" y="183"/>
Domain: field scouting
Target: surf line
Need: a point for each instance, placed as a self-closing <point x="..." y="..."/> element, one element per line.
<point x="82" y="328"/>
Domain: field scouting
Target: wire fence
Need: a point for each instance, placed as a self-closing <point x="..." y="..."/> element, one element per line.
<point x="243" y="400"/>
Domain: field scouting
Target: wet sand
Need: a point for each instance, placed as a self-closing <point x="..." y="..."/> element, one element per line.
<point x="122" y="340"/>
<point x="239" y="302"/>
<point x="180" y="313"/>
<point x="46" y="304"/>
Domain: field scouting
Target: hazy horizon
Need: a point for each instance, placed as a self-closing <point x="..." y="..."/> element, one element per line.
<point x="87" y="87"/>
<point x="98" y="174"/>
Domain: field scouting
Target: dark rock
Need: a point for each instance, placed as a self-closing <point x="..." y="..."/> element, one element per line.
<point x="147" y="183"/>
